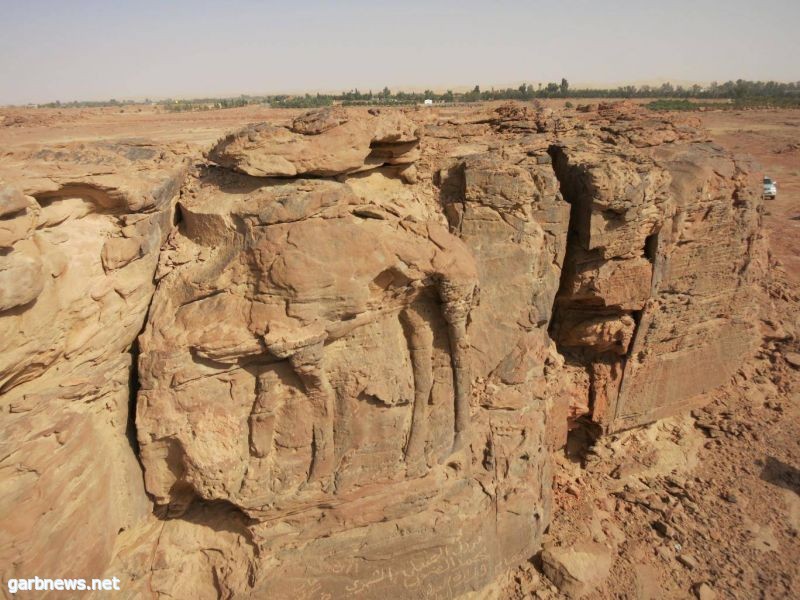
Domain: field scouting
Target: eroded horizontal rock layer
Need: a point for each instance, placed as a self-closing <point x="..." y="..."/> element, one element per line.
<point x="81" y="227"/>
<point x="359" y="336"/>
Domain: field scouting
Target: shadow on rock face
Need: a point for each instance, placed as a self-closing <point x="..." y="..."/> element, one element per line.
<point x="779" y="473"/>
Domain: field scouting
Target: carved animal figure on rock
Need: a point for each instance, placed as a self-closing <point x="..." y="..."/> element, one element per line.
<point x="279" y="271"/>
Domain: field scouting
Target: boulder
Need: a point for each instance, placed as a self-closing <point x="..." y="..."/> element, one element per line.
<point x="324" y="143"/>
<point x="579" y="569"/>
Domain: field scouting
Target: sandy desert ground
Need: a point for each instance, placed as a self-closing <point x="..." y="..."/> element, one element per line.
<point x="771" y="137"/>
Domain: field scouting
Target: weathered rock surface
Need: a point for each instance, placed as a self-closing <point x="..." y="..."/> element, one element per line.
<point x="332" y="318"/>
<point x="326" y="143"/>
<point x="68" y="319"/>
<point x="686" y="208"/>
<point x="577" y="570"/>
<point x="366" y="331"/>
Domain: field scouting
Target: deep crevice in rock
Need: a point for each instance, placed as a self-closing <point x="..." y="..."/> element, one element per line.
<point x="574" y="312"/>
<point x="134" y="385"/>
<point x="133" y="391"/>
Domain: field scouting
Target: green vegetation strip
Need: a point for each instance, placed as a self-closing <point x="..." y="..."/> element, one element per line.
<point x="729" y="95"/>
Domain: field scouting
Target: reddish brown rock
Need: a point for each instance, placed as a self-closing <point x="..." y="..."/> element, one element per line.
<point x="350" y="384"/>
<point x="579" y="569"/>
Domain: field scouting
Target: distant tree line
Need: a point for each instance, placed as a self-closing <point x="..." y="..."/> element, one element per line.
<point x="739" y="93"/>
<point x="206" y="104"/>
<point x="85" y="104"/>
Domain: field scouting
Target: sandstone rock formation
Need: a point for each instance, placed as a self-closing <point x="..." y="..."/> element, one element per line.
<point x="366" y="332"/>
<point x="325" y="143"/>
<point x="332" y="317"/>
<point x="81" y="228"/>
<point x="687" y="209"/>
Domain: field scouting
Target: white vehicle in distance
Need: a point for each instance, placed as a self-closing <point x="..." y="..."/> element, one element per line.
<point x="770" y="188"/>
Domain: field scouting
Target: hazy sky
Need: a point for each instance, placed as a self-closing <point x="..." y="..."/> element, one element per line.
<point x="99" y="49"/>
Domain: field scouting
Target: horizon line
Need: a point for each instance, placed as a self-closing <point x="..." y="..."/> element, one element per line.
<point x="415" y="88"/>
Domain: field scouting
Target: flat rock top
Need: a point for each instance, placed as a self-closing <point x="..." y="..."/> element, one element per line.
<point x="131" y="174"/>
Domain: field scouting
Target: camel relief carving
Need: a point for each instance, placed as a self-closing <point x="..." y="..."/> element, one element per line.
<point x="265" y="273"/>
<point x="305" y="354"/>
<point x="408" y="263"/>
<point x="281" y="289"/>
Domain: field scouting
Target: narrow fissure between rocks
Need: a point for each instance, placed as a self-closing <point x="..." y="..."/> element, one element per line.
<point x="134" y="384"/>
<point x="651" y="247"/>
<point x="575" y="313"/>
<point x="133" y="391"/>
<point x="579" y="431"/>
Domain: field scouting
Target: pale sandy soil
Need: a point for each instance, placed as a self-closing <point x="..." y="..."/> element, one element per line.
<point x="772" y="137"/>
<point x="48" y="126"/>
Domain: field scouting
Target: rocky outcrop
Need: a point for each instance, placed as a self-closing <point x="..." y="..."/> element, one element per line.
<point x="323" y="333"/>
<point x="323" y="143"/>
<point x="82" y="226"/>
<point x="664" y="249"/>
<point x="366" y="332"/>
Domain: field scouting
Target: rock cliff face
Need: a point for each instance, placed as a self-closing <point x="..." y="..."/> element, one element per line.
<point x="360" y="336"/>
<point x="81" y="228"/>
